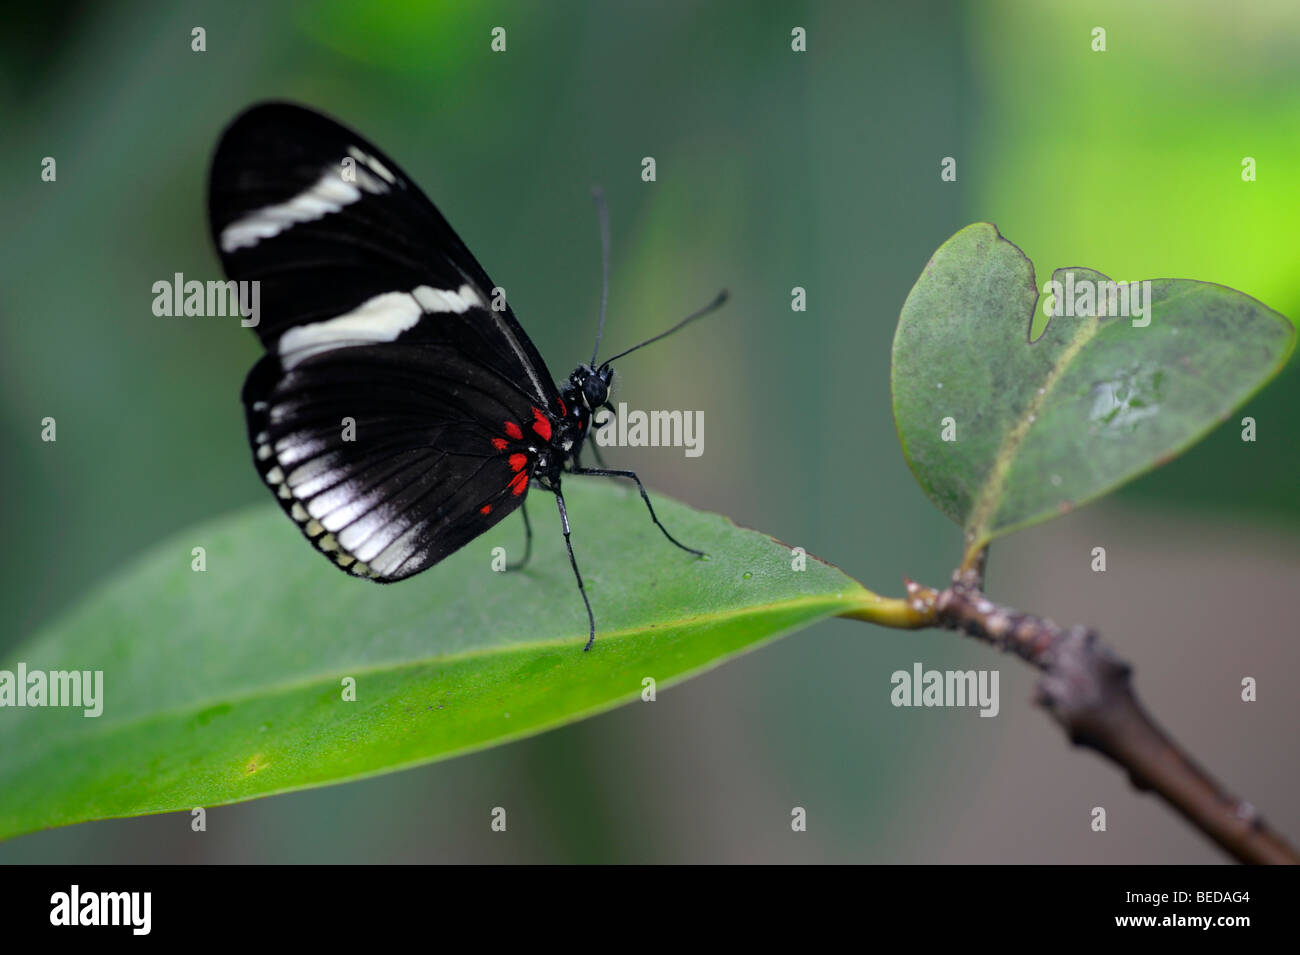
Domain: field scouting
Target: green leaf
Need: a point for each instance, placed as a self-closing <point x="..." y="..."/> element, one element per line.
<point x="224" y="685"/>
<point x="1042" y="427"/>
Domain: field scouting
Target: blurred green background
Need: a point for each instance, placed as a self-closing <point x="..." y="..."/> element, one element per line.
<point x="775" y="169"/>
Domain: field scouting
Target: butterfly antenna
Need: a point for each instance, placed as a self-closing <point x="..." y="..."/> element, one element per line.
<point x="713" y="306"/>
<point x="602" y="213"/>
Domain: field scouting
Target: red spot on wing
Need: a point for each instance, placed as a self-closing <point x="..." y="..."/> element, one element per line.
<point x="513" y="431"/>
<point x="563" y="410"/>
<point x="542" y="424"/>
<point x="519" y="483"/>
<point x="485" y="509"/>
<point x="499" y="443"/>
<point x="517" y="461"/>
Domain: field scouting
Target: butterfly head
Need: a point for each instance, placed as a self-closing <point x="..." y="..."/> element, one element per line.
<point x="590" y="386"/>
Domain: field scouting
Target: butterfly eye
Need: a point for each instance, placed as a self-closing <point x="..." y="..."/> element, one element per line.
<point x="596" y="391"/>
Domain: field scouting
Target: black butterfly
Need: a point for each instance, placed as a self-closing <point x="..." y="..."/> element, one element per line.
<point x="400" y="410"/>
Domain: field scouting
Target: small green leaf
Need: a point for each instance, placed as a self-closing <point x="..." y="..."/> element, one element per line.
<point x="227" y="684"/>
<point x="1039" y="428"/>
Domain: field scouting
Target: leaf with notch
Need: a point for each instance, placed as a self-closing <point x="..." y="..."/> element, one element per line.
<point x="1043" y="427"/>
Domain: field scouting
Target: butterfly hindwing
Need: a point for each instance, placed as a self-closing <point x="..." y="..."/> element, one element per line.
<point x="385" y="456"/>
<point x="388" y="415"/>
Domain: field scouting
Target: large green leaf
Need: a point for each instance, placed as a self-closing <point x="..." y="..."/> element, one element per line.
<point x="1042" y="427"/>
<point x="225" y="684"/>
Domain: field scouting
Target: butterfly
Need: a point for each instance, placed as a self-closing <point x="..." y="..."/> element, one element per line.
<point x="400" y="410"/>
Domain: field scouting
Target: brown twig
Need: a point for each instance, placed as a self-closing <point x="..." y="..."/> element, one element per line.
<point x="1088" y="689"/>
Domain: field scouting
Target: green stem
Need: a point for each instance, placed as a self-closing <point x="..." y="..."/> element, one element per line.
<point x="896" y="612"/>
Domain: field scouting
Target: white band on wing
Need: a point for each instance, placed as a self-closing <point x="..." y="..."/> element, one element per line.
<point x="330" y="193"/>
<point x="379" y="319"/>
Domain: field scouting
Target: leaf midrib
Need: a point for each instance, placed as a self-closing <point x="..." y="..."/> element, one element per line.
<point x="852" y="595"/>
<point x="990" y="495"/>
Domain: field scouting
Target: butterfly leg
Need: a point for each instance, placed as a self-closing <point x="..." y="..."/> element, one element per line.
<point x="595" y="448"/>
<point x="528" y="540"/>
<point x="608" y="472"/>
<point x="577" y="459"/>
<point x="564" y="521"/>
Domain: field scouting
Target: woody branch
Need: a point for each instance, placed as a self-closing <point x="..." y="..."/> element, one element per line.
<point x="1088" y="690"/>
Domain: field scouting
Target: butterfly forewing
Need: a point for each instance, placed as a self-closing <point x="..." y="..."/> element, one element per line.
<point x="389" y="415"/>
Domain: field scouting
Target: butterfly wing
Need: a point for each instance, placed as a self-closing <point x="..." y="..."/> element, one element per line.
<point x="388" y="414"/>
<point x="389" y="458"/>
